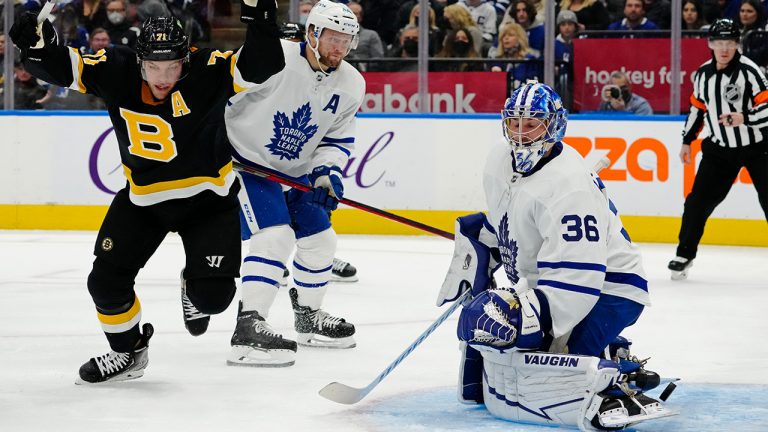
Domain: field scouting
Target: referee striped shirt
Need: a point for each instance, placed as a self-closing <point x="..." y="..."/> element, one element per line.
<point x="739" y="88"/>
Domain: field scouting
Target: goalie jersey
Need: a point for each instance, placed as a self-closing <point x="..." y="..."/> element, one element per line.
<point x="171" y="148"/>
<point x="556" y="228"/>
<point x="298" y="119"/>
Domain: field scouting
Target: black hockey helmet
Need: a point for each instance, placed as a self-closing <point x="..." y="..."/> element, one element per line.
<point x="162" y="38"/>
<point x="292" y="31"/>
<point x="724" y="29"/>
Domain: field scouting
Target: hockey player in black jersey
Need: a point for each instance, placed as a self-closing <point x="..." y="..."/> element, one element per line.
<point x="166" y="103"/>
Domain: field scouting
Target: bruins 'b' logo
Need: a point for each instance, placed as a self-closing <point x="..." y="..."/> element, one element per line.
<point x="107" y="244"/>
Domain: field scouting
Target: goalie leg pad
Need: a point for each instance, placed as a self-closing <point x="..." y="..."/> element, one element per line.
<point x="544" y="388"/>
<point x="470" y="375"/>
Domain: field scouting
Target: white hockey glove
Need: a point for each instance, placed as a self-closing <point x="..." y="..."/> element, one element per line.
<point x="475" y="258"/>
<point x="499" y="320"/>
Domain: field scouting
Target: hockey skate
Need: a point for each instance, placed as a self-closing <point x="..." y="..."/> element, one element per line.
<point x="316" y="328"/>
<point x="195" y="321"/>
<point x="118" y="366"/>
<point x="679" y="267"/>
<point x="343" y="271"/>
<point x="254" y="343"/>
<point x="617" y="412"/>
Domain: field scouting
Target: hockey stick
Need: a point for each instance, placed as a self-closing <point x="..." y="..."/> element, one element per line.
<point x="287" y="181"/>
<point x="45" y="11"/>
<point x="344" y="394"/>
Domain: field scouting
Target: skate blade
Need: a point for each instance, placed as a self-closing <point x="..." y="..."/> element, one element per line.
<point x="124" y="377"/>
<point x="317" y="341"/>
<point x="248" y="356"/>
<point x="349" y="279"/>
<point x="623" y="420"/>
<point x="680" y="275"/>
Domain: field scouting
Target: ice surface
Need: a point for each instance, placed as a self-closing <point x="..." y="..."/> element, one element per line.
<point x="708" y="330"/>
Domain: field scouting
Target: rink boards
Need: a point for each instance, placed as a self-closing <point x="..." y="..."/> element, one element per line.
<point x="59" y="170"/>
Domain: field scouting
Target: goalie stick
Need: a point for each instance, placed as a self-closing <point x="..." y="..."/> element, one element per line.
<point x="287" y="181"/>
<point x="344" y="394"/>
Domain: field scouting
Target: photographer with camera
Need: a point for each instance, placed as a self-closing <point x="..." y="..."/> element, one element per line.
<point x="618" y="96"/>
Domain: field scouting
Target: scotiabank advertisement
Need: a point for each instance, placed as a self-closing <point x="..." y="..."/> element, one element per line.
<point x="449" y="92"/>
<point x="399" y="163"/>
<point x="646" y="63"/>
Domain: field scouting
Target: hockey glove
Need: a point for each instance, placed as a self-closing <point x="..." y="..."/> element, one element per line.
<point x="475" y="258"/>
<point x="498" y="320"/>
<point x="28" y="34"/>
<point x="262" y="10"/>
<point x="327" y="188"/>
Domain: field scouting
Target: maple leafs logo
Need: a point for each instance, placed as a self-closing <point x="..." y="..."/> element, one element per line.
<point x="508" y="250"/>
<point x="291" y="135"/>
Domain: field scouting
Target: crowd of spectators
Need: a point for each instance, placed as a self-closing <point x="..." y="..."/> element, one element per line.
<point x="482" y="35"/>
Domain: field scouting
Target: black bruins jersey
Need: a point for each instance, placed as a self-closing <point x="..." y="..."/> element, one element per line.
<point x="171" y="148"/>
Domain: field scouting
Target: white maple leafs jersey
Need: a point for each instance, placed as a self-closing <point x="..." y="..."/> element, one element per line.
<point x="298" y="119"/>
<point x="558" y="229"/>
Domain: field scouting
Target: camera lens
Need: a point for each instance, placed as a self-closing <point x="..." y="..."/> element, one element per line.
<point x="615" y="93"/>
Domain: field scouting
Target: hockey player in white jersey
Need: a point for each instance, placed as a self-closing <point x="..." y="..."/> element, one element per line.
<point x="299" y="122"/>
<point x="577" y="282"/>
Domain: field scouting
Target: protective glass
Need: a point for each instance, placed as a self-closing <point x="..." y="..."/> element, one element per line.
<point x="723" y="44"/>
<point x="337" y="40"/>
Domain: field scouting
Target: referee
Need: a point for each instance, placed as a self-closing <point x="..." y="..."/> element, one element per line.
<point x="730" y="95"/>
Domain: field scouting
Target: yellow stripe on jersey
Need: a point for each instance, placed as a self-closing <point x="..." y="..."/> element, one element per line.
<point x="121" y="322"/>
<point x="77" y="70"/>
<point x="177" y="184"/>
<point x="235" y="74"/>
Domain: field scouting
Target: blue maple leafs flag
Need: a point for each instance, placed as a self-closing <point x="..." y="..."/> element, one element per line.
<point x="508" y="250"/>
<point x="291" y="135"/>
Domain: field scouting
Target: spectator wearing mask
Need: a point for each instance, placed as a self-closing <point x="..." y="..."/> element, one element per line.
<point x="408" y="49"/>
<point x="120" y="30"/>
<point x="618" y="97"/>
<point x="369" y="43"/>
<point x="634" y="18"/>
<point x="458" y="44"/>
<point x="304" y="7"/>
<point x="458" y="17"/>
<point x="513" y="45"/>
<point x="436" y="34"/>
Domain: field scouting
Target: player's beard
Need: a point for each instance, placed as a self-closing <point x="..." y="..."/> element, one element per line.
<point x="333" y="61"/>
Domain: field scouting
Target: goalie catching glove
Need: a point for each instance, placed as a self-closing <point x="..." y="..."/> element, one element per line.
<point x="499" y="320"/>
<point x="475" y="258"/>
<point x="327" y="188"/>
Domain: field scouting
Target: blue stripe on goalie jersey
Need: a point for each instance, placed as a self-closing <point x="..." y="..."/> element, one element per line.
<point x="343" y="150"/>
<point x="569" y="287"/>
<point x="600" y="185"/>
<point x="571" y="265"/>
<point x="627" y="279"/>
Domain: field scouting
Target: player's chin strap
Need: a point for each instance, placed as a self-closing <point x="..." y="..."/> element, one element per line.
<point x="316" y="52"/>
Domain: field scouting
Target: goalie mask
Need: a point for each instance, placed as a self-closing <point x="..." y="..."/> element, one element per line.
<point x="327" y="15"/>
<point x="162" y="39"/>
<point x="533" y="120"/>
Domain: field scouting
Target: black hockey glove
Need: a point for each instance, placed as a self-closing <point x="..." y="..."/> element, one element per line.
<point x="26" y="34"/>
<point x="261" y="10"/>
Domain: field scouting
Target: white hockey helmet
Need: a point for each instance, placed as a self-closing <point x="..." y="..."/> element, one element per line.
<point x="335" y="16"/>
